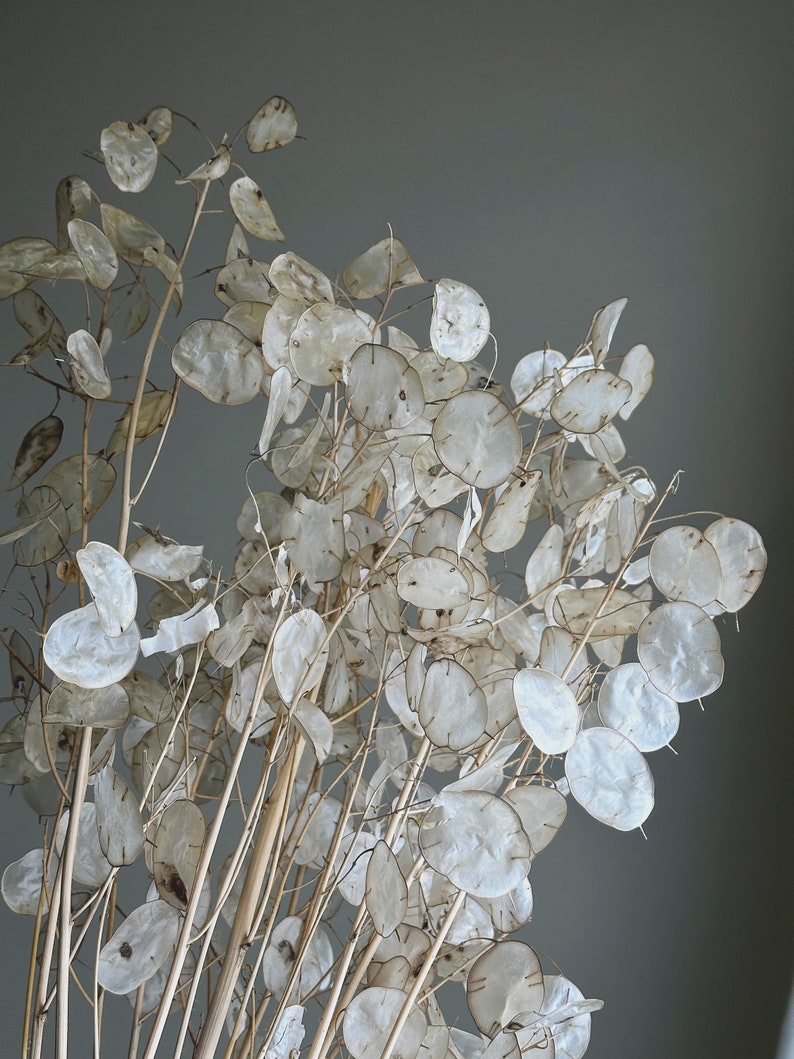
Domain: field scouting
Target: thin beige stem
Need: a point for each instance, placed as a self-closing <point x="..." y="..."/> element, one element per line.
<point x="67" y="870"/>
<point x="126" y="479"/>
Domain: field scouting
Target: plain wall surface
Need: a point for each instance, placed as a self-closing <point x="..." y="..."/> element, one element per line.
<point x="554" y="157"/>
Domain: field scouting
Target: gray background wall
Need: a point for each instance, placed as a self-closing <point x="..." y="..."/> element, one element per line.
<point x="554" y="156"/>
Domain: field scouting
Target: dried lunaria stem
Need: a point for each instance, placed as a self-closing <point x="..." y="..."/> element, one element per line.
<point x="336" y="766"/>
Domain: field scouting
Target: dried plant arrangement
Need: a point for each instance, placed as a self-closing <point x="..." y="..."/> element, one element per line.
<point x="292" y="810"/>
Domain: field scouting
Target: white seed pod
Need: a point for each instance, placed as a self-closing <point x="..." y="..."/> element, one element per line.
<point x="542" y="811"/>
<point x="504" y="1046"/>
<point x="147" y="771"/>
<point x="91" y="866"/>
<point x="111" y="581"/>
<point x="452" y="707"/>
<point x="78" y="707"/>
<point x="637" y="369"/>
<point x="544" y="566"/>
<point x="96" y="253"/>
<point x="629" y="703"/>
<point x="535" y="381"/>
<point x="18" y="259"/>
<point x="299" y="657"/>
<point x="678" y="646"/>
<point x="297" y="278"/>
<point x="386" y="892"/>
<point x="603" y="328"/>
<point x="610" y="778"/>
<point x="685" y="566"/>
<point x="274" y="125"/>
<point x="129" y="154"/>
<point x="23" y="880"/>
<point x="315" y="727"/>
<point x="159" y="123"/>
<point x="149" y="700"/>
<point x="477" y="438"/>
<point x="621" y="615"/>
<point x="504" y="982"/>
<point x="431" y="481"/>
<point x="182" y="630"/>
<point x="219" y="361"/>
<point x="37" y="318"/>
<point x="432" y="583"/>
<point x="382" y="390"/>
<point x="589" y="401"/>
<point x="228" y="644"/>
<point x="129" y="235"/>
<point x="282" y="953"/>
<point x="370" y="1018"/>
<point x="243" y="279"/>
<point x="547" y="709"/>
<point x="507" y="522"/>
<point x="512" y="910"/>
<point x="169" y="270"/>
<point x="164" y="559"/>
<point x="139" y="947"/>
<point x="381" y="268"/>
<point x="66" y="478"/>
<point x="213" y="169"/>
<point x="178" y="844"/>
<point x="78" y="650"/>
<point x="563" y="1019"/>
<point x="323" y="341"/>
<point x="136" y="313"/>
<point x="742" y="557"/>
<point x="289" y="1031"/>
<point x="314" y="536"/>
<point x="118" y="818"/>
<point x="253" y="211"/>
<point x="152" y="415"/>
<point x="88" y="365"/>
<point x="249" y="317"/>
<point x="476" y="841"/>
<point x="460" y="322"/>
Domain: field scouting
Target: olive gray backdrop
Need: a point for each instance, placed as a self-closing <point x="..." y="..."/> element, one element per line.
<point x="554" y="156"/>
